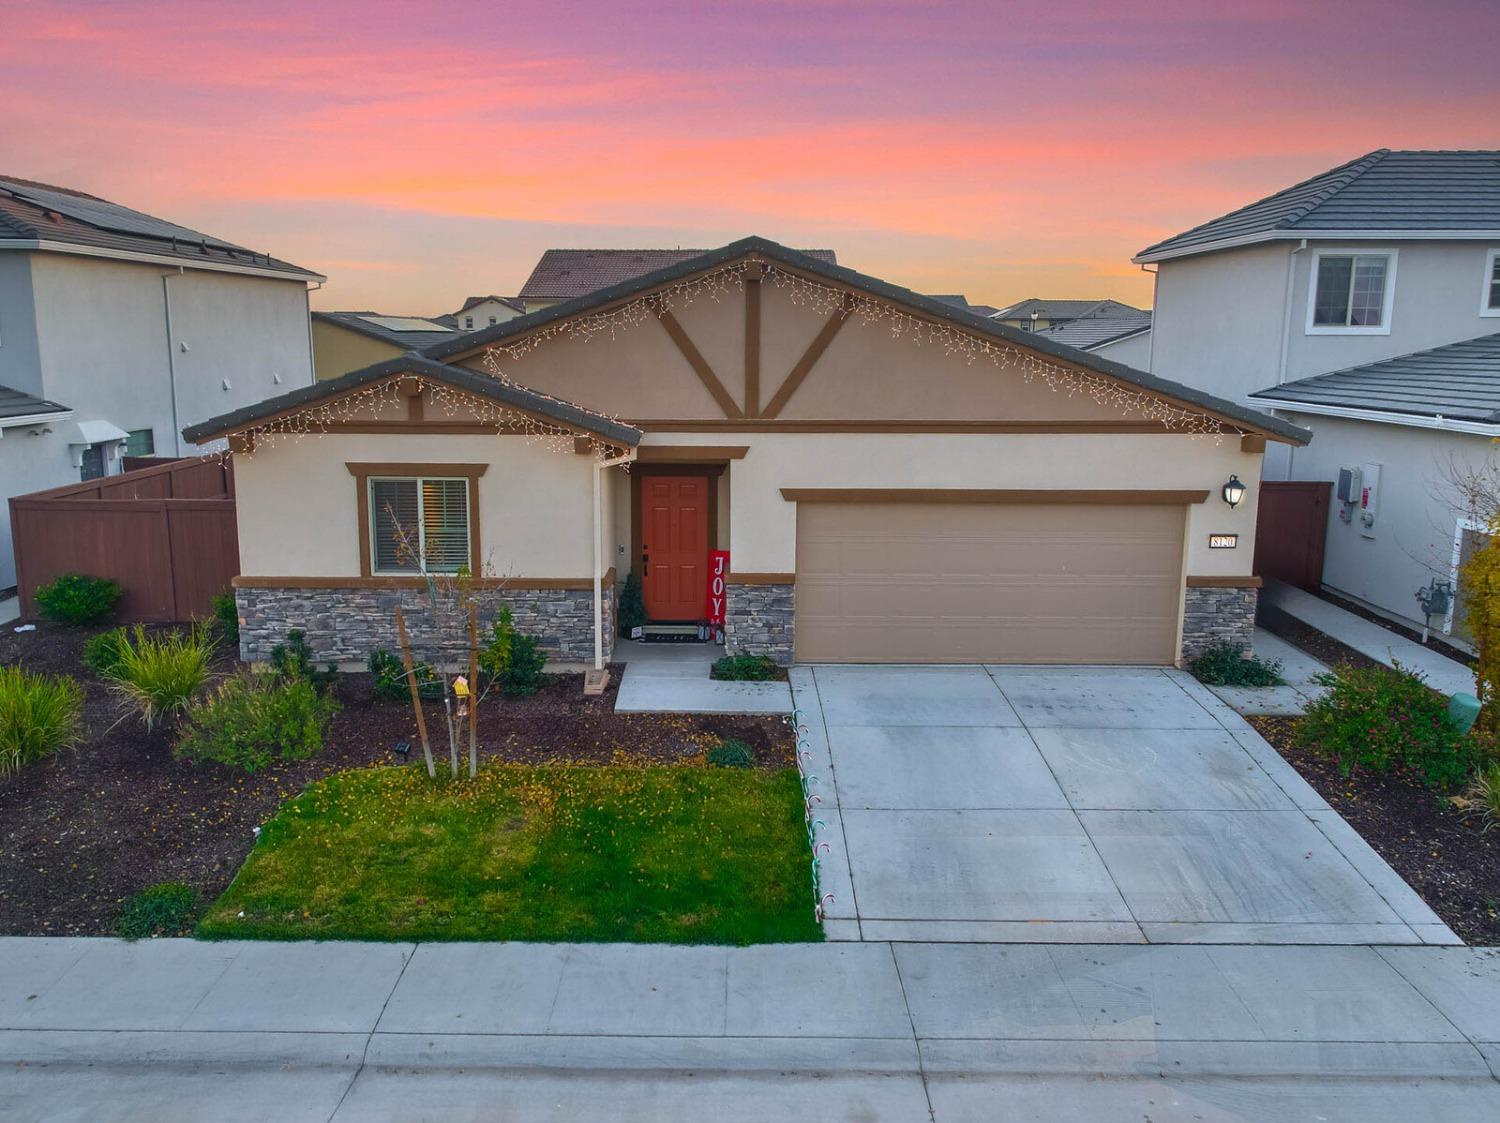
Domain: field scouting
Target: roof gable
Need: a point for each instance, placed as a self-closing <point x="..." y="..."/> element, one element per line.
<point x="568" y="274"/>
<point x="524" y="332"/>
<point x="1381" y="192"/>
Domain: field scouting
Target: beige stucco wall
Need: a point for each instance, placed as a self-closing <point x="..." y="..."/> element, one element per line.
<point x="298" y="513"/>
<point x="763" y="525"/>
<point x="337" y="350"/>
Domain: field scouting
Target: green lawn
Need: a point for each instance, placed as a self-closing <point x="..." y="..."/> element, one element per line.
<point x="551" y="852"/>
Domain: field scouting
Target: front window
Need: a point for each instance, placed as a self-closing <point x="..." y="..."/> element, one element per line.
<point x="1490" y="304"/>
<point x="419" y="525"/>
<point x="1351" y="292"/>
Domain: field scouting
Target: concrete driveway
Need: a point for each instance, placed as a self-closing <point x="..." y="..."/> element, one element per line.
<point x="1026" y="804"/>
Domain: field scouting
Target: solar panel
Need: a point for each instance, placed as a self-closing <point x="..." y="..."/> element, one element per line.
<point x="111" y="216"/>
<point x="404" y="323"/>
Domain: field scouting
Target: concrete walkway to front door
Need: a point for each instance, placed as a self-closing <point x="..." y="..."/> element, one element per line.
<point x="1031" y="804"/>
<point x="673" y="678"/>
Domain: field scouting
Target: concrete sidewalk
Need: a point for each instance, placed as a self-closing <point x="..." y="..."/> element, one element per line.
<point x="1298" y="670"/>
<point x="673" y="678"/>
<point x="173" y="1029"/>
<point x="1368" y="638"/>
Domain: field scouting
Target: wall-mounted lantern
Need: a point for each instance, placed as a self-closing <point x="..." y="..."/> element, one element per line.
<point x="1233" y="491"/>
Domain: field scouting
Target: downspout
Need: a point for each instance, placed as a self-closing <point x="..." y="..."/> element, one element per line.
<point x="312" y="354"/>
<point x="1286" y="332"/>
<point x="599" y="466"/>
<point x="166" y="299"/>
<point x="1151" y="340"/>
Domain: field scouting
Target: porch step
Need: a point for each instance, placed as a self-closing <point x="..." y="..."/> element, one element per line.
<point x="674" y="633"/>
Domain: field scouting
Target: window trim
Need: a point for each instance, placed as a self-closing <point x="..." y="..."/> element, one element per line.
<point x="363" y="473"/>
<point x="1388" y="303"/>
<point x="1491" y="262"/>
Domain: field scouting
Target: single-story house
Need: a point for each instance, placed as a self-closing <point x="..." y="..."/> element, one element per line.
<point x="1407" y="433"/>
<point x="894" y="480"/>
<point x="345" y="341"/>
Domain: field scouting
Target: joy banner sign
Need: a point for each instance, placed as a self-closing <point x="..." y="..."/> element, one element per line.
<point x="718" y="577"/>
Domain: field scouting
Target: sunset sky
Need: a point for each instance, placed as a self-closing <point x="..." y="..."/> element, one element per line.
<point x="420" y="153"/>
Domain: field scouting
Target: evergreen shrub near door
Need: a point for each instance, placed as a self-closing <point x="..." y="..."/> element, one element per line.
<point x="1385" y="720"/>
<point x="745" y="668"/>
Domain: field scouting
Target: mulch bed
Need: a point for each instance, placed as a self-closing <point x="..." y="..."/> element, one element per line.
<point x="1319" y="645"/>
<point x="1447" y="856"/>
<point x="82" y="831"/>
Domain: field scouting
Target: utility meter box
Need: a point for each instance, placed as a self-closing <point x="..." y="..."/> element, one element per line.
<point x="1348" y="486"/>
<point x="1369" y="499"/>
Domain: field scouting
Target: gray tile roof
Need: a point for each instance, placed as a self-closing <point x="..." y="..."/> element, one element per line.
<point x="476" y="341"/>
<point x="482" y="385"/>
<point x="1382" y="192"/>
<point x="31" y="211"/>
<point x="15" y="403"/>
<point x="1098" y="328"/>
<point x="958" y="300"/>
<point x="1460" y="382"/>
<point x="406" y="340"/>
<point x="1047" y="309"/>
<point x="568" y="274"/>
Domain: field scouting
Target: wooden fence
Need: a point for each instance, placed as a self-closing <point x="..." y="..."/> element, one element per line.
<point x="166" y="533"/>
<point x="1291" y="528"/>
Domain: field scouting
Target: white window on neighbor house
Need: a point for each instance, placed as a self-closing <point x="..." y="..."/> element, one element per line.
<point x="492" y="321"/>
<point x="140" y="442"/>
<point x="1489" y="301"/>
<point x="468" y="322"/>
<point x="1351" y="293"/>
<point x="419" y="525"/>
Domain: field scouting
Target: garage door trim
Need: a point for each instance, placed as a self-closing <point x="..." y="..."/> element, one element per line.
<point x="1120" y="496"/>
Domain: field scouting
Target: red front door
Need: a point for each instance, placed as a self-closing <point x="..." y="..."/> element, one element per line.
<point x="674" y="546"/>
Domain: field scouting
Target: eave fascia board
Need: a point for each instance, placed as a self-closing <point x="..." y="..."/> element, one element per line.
<point x="1263" y="237"/>
<point x="29" y="419"/>
<point x="43" y="246"/>
<point x="1411" y="420"/>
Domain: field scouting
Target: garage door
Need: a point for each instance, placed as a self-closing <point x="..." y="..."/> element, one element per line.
<point x="988" y="582"/>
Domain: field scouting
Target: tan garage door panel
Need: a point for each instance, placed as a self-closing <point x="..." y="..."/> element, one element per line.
<point x="994" y="583"/>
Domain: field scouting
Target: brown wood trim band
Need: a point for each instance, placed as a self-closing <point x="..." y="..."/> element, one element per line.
<point x="1252" y="443"/>
<point x="396" y="468"/>
<point x="1137" y="497"/>
<point x="365" y="582"/>
<point x="689" y="454"/>
<point x="1200" y="582"/>
<point x="752" y="340"/>
<point x="761" y="579"/>
<point x="809" y="359"/>
<point x="808" y="425"/>
<point x="699" y="364"/>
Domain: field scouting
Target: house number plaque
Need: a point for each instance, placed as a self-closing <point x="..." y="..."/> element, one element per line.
<point x="1223" y="541"/>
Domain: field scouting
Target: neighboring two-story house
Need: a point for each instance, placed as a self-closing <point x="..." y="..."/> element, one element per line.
<point x="486" y="311"/>
<point x="118" y="329"/>
<point x="1363" y="304"/>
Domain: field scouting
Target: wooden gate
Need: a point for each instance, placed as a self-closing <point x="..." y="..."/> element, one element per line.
<point x="167" y="534"/>
<point x="1291" y="528"/>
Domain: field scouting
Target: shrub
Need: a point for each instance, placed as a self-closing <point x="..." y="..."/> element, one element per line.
<point x="1387" y="720"/>
<point x="39" y="714"/>
<point x="75" y="598"/>
<point x="632" y="607"/>
<point x="524" y="675"/>
<point x="512" y="659"/>
<point x="160" y="674"/>
<point x="390" y="678"/>
<point x="294" y="660"/>
<point x="227" y="616"/>
<point x="251" y="720"/>
<point x="1226" y="664"/>
<point x="168" y="909"/>
<point x="1483" y="795"/>
<point x="744" y="668"/>
<point x="102" y="652"/>
<point x="731" y="753"/>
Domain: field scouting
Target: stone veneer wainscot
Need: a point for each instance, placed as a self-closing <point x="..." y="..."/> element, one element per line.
<point x="344" y="625"/>
<point x="1216" y="614"/>
<point x="759" y="620"/>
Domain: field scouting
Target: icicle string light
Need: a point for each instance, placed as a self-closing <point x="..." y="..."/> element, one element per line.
<point x="826" y="299"/>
